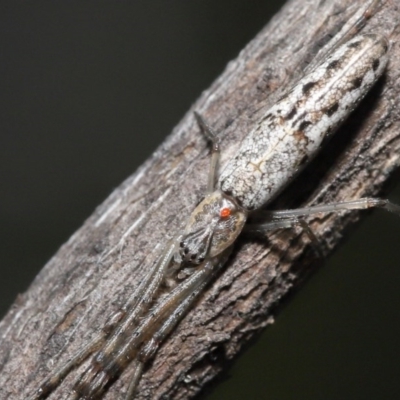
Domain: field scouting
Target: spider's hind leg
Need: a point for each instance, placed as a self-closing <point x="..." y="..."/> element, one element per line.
<point x="282" y="219"/>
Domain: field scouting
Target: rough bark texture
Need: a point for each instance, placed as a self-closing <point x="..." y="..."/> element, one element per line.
<point x="101" y="264"/>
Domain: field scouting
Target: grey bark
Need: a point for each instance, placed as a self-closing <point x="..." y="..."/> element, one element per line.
<point x="96" y="270"/>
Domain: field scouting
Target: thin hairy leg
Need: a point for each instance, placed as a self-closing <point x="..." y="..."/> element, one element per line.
<point x="136" y="305"/>
<point x="282" y="219"/>
<point x="359" y="204"/>
<point x="171" y="310"/>
<point x="215" y="151"/>
<point x="92" y="380"/>
<point x="106" y="367"/>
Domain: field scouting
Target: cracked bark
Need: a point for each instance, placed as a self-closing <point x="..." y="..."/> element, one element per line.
<point x="94" y="272"/>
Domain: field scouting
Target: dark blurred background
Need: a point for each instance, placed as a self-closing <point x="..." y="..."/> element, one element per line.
<point x="77" y="79"/>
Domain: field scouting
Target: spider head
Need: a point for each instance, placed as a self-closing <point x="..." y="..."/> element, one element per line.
<point x="212" y="227"/>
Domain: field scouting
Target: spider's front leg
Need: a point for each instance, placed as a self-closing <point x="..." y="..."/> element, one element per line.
<point x="167" y="313"/>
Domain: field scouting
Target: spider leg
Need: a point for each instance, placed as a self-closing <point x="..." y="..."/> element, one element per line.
<point x="215" y="151"/>
<point x="93" y="381"/>
<point x="50" y="384"/>
<point x="167" y="313"/>
<point x="136" y="305"/>
<point x="290" y="218"/>
<point x="359" y="204"/>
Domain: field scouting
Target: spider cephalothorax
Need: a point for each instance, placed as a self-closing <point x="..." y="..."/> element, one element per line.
<point x="213" y="226"/>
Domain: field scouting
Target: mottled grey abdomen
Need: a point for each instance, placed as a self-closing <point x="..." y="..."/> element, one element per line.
<point x="292" y="131"/>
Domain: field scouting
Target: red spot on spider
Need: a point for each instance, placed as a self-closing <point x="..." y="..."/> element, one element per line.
<point x="225" y="212"/>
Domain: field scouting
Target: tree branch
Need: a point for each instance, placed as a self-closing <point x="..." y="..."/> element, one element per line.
<point x="98" y="268"/>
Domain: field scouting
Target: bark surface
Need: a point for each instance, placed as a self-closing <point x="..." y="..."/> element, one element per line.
<point x="92" y="274"/>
